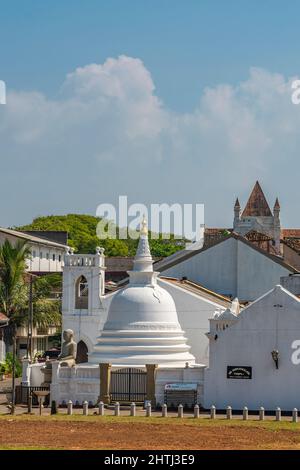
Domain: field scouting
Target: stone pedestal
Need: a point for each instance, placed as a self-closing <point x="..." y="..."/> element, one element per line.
<point x="150" y="390"/>
<point x="105" y="375"/>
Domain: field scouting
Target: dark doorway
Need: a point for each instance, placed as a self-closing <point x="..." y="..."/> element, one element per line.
<point x="82" y="353"/>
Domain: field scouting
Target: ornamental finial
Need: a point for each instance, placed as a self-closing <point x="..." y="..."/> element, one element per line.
<point x="144" y="228"/>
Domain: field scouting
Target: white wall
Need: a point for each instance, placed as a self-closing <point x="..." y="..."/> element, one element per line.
<point x="215" y="268"/>
<point x="2" y="350"/>
<point x="231" y="268"/>
<point x="194" y="313"/>
<point x="44" y="263"/>
<point x="261" y="328"/>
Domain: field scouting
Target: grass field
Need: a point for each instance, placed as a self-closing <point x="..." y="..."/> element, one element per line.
<point x="109" y="432"/>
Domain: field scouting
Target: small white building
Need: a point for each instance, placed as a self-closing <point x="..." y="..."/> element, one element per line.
<point x="254" y="356"/>
<point x="46" y="256"/>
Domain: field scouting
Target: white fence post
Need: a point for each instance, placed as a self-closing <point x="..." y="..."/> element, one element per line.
<point x="245" y="413"/>
<point x="117" y="409"/>
<point x="261" y="413"/>
<point x="132" y="409"/>
<point x="229" y="412"/>
<point x="180" y="411"/>
<point x="164" y="410"/>
<point x="148" y="410"/>
<point x="70" y="407"/>
<point x="213" y="412"/>
<point x="295" y="415"/>
<point x="278" y="414"/>
<point x="196" y="411"/>
<point x="85" y="408"/>
<point x="101" y="408"/>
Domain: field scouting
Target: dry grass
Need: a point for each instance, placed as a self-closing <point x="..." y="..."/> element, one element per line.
<point x="109" y="432"/>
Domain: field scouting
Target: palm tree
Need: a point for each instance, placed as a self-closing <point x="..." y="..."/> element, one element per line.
<point x="13" y="259"/>
<point x="14" y="295"/>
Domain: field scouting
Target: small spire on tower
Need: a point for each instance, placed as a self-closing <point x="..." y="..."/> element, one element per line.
<point x="237" y="203"/>
<point x="277" y="205"/>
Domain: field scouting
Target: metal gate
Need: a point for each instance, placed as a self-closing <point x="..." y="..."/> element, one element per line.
<point x="23" y="393"/>
<point x="128" y="385"/>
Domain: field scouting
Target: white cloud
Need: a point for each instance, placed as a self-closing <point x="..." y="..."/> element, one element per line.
<point x="109" y="134"/>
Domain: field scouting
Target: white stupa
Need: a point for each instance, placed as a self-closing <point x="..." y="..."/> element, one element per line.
<point x="142" y="325"/>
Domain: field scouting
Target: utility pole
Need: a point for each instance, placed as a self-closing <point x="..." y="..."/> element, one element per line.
<point x="30" y="320"/>
<point x="13" y="394"/>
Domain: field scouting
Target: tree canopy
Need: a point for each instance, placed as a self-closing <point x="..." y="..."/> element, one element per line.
<point x="82" y="236"/>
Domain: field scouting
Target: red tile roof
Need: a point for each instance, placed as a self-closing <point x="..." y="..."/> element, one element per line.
<point x="3" y="318"/>
<point x="257" y="205"/>
<point x="290" y="233"/>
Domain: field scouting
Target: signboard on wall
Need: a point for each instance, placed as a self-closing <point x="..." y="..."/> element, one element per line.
<point x="181" y="386"/>
<point x="239" y="372"/>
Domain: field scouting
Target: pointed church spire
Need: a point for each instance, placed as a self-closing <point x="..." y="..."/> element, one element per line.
<point x="257" y="205"/>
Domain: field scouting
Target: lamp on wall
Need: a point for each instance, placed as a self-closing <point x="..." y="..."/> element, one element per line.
<point x="275" y="357"/>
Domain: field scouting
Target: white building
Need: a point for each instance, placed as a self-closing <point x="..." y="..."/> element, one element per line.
<point x="46" y="256"/>
<point x="243" y="370"/>
<point x="232" y="267"/>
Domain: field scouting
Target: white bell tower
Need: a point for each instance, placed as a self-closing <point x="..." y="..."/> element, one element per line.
<point x="83" y="290"/>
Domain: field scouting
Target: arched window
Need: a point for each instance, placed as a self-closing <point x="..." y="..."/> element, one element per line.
<point x="82" y="352"/>
<point x="81" y="293"/>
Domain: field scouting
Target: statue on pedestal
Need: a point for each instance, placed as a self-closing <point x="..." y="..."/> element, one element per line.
<point x="67" y="356"/>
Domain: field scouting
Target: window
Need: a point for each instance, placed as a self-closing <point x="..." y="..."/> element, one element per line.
<point x="41" y="254"/>
<point x="53" y="257"/>
<point x="59" y="258"/>
<point x="47" y="255"/>
<point x="34" y="254"/>
<point x="41" y="344"/>
<point x="81" y="293"/>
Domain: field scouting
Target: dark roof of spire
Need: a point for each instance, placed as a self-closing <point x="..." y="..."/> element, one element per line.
<point x="237" y="203"/>
<point x="257" y="205"/>
<point x="277" y="205"/>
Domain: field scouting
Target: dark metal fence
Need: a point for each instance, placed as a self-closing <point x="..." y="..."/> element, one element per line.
<point x="128" y="385"/>
<point x="188" y="398"/>
<point x="23" y="393"/>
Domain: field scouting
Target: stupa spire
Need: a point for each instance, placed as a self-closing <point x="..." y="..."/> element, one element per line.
<point x="143" y="260"/>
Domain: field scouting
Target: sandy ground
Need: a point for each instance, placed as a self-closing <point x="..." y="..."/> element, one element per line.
<point x="95" y="432"/>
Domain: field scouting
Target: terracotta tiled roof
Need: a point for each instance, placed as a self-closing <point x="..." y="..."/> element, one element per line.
<point x="257" y="205"/>
<point x="3" y="318"/>
<point x="293" y="243"/>
<point x="290" y="233"/>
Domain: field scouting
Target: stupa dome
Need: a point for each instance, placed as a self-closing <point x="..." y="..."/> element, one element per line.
<point x="142" y="325"/>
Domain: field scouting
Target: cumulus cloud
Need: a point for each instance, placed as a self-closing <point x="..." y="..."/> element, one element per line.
<point x="108" y="133"/>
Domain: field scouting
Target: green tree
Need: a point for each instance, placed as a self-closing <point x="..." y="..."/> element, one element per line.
<point x="81" y="229"/>
<point x="12" y="272"/>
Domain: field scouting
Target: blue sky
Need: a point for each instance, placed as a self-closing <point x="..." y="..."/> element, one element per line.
<point x="186" y="47"/>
